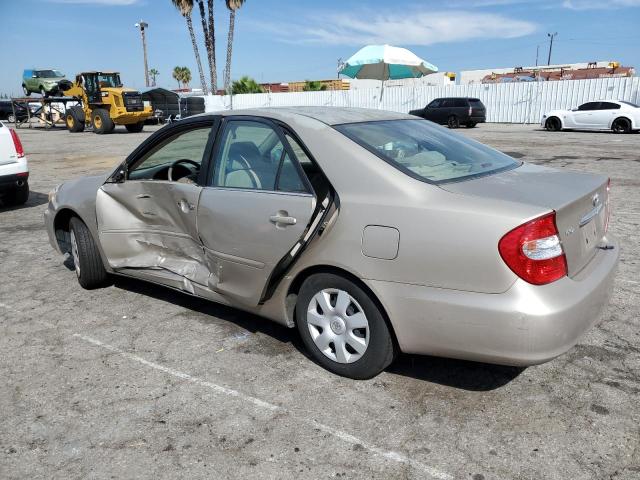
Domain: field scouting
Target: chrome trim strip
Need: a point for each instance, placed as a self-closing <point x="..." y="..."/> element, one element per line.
<point x="589" y="216"/>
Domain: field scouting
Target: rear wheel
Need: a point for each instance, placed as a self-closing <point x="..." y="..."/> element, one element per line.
<point x="621" y="125"/>
<point x="135" y="127"/>
<point x="74" y="119"/>
<point x="101" y="121"/>
<point x="553" y="124"/>
<point x="43" y="92"/>
<point x="11" y="118"/>
<point x="453" y="122"/>
<point x="86" y="256"/>
<point x="342" y="327"/>
<point x="26" y="91"/>
<point x="17" y="196"/>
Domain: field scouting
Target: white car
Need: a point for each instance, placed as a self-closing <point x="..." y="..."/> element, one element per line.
<point x="14" y="171"/>
<point x="616" y="115"/>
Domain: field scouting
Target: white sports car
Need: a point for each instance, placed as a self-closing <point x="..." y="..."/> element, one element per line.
<point x="619" y="116"/>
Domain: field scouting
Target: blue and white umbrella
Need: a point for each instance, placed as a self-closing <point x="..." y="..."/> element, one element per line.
<point x="384" y="62"/>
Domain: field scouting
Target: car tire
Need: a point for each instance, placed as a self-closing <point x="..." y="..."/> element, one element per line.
<point x="11" y="118"/>
<point x="621" y="125"/>
<point x="101" y="121"/>
<point x="26" y="91"/>
<point x="471" y="124"/>
<point x="135" y="127"/>
<point x="17" y="196"/>
<point x="74" y="119"/>
<point x="553" y="124"/>
<point x="86" y="256"/>
<point x="354" y="320"/>
<point x="43" y="93"/>
<point x="453" y="122"/>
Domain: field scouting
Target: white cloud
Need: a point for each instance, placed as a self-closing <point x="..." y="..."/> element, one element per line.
<point x="410" y="28"/>
<point x="99" y="2"/>
<point x="599" y="4"/>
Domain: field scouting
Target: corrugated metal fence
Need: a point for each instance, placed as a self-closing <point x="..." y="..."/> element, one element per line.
<point x="523" y="102"/>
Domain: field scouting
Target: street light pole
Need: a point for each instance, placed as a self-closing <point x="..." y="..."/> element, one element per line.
<point x="550" y="35"/>
<point x="142" y="26"/>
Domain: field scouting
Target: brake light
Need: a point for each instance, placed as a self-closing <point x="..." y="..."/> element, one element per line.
<point x="16" y="143"/>
<point x="533" y="251"/>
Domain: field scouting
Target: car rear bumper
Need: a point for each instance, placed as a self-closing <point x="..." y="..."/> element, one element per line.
<point x="525" y="325"/>
<point x="481" y="119"/>
<point x="13" y="180"/>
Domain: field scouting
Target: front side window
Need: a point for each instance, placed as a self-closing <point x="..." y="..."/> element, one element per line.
<point x="427" y="152"/>
<point x="252" y="156"/>
<point x="184" y="151"/>
<point x="588" y="106"/>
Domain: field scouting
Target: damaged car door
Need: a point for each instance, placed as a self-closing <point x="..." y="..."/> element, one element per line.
<point x="255" y="210"/>
<point x="147" y="211"/>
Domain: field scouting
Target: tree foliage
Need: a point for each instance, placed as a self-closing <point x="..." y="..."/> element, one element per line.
<point x="246" y="85"/>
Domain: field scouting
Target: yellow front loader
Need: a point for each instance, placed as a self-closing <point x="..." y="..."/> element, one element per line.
<point x="103" y="103"/>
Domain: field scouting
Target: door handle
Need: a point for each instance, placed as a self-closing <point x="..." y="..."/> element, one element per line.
<point x="282" y="218"/>
<point x="185" y="206"/>
<point x="143" y="195"/>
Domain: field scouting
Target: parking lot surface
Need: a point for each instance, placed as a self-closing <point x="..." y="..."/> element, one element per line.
<point x="138" y="381"/>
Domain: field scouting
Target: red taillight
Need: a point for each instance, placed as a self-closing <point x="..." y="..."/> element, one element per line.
<point x="16" y="143"/>
<point x="533" y="251"/>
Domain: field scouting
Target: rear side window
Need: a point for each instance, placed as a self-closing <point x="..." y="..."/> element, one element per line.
<point x="460" y="102"/>
<point x="425" y="151"/>
<point x="609" y="106"/>
<point x="476" y="103"/>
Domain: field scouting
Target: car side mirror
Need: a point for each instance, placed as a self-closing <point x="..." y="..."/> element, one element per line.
<point x="120" y="176"/>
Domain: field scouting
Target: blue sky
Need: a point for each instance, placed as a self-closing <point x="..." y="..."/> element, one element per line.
<point x="279" y="40"/>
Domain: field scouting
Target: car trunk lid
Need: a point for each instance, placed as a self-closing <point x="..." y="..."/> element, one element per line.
<point x="580" y="201"/>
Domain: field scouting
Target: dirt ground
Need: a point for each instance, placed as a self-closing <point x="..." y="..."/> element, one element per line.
<point x="137" y="381"/>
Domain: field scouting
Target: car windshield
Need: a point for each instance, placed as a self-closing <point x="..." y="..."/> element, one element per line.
<point x="49" y="74"/>
<point x="427" y="152"/>
<point x="630" y="104"/>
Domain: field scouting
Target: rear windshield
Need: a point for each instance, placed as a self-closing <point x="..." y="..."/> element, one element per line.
<point x="426" y="151"/>
<point x="629" y="103"/>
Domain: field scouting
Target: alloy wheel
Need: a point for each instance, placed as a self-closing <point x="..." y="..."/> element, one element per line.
<point x="338" y="325"/>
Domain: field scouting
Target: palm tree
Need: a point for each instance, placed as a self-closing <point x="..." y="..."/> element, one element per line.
<point x="186" y="75"/>
<point x="209" y="41"/>
<point x="153" y="73"/>
<point x="232" y="5"/>
<point x="246" y="85"/>
<point x="177" y="75"/>
<point x="185" y="7"/>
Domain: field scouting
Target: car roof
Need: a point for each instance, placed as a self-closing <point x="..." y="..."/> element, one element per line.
<point x="327" y="115"/>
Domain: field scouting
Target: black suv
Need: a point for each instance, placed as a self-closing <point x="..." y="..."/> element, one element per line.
<point x="454" y="112"/>
<point x="6" y="112"/>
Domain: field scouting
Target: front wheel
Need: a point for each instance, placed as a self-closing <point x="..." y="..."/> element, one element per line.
<point x="553" y="124"/>
<point x="453" y="122"/>
<point x="342" y="327"/>
<point x="86" y="256"/>
<point x="101" y="121"/>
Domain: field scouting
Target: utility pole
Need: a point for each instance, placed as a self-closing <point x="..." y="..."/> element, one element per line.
<point x="537" y="52"/>
<point x="142" y="26"/>
<point x="550" y="35"/>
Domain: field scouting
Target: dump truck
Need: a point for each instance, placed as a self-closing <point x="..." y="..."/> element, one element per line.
<point x="103" y="103"/>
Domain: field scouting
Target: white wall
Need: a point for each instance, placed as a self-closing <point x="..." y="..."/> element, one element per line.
<point x="523" y="102"/>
